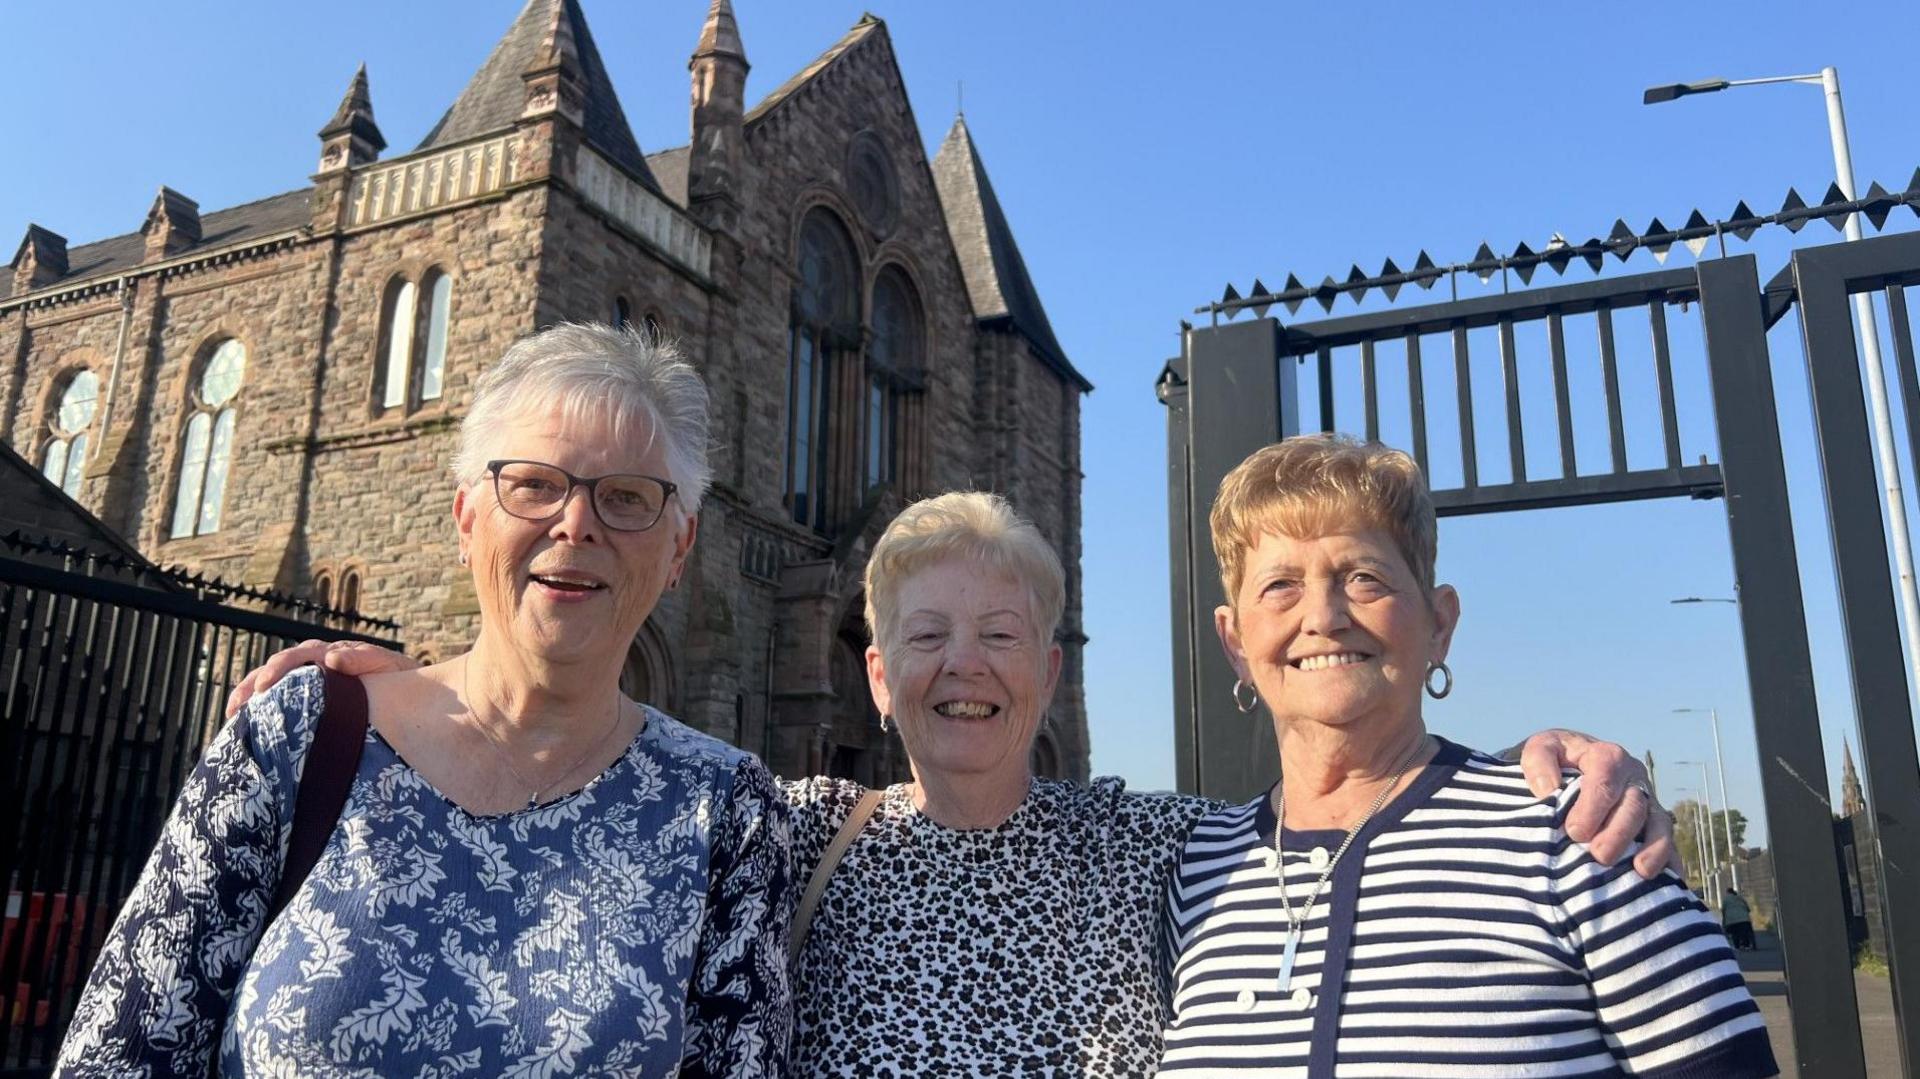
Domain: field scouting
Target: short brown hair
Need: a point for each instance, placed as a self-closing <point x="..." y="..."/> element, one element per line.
<point x="1311" y="485"/>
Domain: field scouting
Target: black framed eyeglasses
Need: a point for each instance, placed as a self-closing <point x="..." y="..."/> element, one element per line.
<point x="624" y="501"/>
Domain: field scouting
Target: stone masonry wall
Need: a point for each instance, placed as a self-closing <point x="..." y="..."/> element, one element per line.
<point x="323" y="479"/>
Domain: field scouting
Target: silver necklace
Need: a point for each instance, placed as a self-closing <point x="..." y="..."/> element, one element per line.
<point x="506" y="758"/>
<point x="1297" y="926"/>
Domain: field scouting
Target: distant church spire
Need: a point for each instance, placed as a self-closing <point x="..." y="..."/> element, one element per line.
<point x="351" y="138"/>
<point x="1853" y="801"/>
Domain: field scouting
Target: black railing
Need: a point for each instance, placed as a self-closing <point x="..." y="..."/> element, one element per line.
<point x="108" y="692"/>
<point x="1239" y="385"/>
<point x="176" y="578"/>
<point x="1483" y="465"/>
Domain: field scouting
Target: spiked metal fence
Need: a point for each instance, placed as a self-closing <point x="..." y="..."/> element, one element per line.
<point x="1557" y="253"/>
<point x="1239" y="385"/>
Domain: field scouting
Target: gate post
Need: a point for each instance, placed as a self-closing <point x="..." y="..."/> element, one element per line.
<point x="1871" y="623"/>
<point x="1172" y="391"/>
<point x="1232" y="408"/>
<point x="1793" y="775"/>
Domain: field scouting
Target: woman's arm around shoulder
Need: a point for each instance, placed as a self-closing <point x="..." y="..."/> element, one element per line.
<point x="160" y="990"/>
<point x="817" y="807"/>
<point x="739" y="1004"/>
<point x="1154" y="823"/>
<point x="1670" y="997"/>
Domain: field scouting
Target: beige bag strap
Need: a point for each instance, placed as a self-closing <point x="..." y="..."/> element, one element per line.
<point x="817" y="886"/>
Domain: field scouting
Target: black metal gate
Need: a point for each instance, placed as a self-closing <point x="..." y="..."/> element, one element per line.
<point x="108" y="692"/>
<point x="1237" y="386"/>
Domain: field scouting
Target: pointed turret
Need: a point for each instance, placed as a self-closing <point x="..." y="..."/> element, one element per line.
<point x="719" y="70"/>
<point x="720" y="36"/>
<point x="1853" y="801"/>
<point x="172" y="225"/>
<point x="351" y="138"/>
<point x="990" y="260"/>
<point x="40" y="260"/>
<point x="545" y="65"/>
<point x="552" y="77"/>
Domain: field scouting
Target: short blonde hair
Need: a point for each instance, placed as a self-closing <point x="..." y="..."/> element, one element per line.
<point x="968" y="525"/>
<point x="1313" y="485"/>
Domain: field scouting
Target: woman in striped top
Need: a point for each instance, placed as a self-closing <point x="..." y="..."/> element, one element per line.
<point x="1401" y="905"/>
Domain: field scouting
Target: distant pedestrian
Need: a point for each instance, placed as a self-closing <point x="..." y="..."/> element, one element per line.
<point x="1738" y="918"/>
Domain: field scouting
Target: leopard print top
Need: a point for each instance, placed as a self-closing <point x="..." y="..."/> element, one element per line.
<point x="1027" y="949"/>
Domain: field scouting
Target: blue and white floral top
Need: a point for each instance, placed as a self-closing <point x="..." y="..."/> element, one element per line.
<point x="636" y="927"/>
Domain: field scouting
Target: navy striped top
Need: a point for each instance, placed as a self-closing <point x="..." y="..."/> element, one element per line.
<point x="1463" y="935"/>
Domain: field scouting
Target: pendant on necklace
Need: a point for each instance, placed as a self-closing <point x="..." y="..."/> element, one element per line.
<point x="1286" y="959"/>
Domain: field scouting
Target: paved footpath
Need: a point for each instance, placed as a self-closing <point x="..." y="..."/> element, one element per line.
<point x="1762" y="968"/>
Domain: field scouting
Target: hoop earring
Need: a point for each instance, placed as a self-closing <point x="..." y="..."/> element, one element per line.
<point x="886" y="723"/>
<point x="463" y="558"/>
<point x="1446" y="687"/>
<point x="1253" y="697"/>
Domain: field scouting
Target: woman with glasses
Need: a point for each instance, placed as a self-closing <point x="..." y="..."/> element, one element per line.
<point x="980" y="920"/>
<point x="532" y="873"/>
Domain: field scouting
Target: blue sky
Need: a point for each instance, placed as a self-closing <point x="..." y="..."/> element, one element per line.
<point x="1146" y="155"/>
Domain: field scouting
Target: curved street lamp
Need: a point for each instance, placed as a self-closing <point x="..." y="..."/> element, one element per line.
<point x="1828" y="79"/>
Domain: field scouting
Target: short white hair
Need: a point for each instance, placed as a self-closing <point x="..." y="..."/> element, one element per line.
<point x="975" y="526"/>
<point x="593" y="372"/>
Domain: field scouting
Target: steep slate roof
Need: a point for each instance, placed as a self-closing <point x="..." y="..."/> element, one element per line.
<point x="989" y="258"/>
<point x="222" y="228"/>
<point x="39" y="509"/>
<point x="860" y="32"/>
<point x="496" y="96"/>
<point x="670" y="172"/>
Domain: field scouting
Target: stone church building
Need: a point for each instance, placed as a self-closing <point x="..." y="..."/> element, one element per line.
<point x="270" y="392"/>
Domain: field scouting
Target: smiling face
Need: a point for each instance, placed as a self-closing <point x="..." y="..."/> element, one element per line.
<point x="568" y="589"/>
<point x="1335" y="630"/>
<point x="969" y="676"/>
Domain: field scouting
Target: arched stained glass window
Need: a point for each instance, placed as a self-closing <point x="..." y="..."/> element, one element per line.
<point x="433" y="369"/>
<point x="398" y="318"/>
<point x="895" y="357"/>
<point x="824" y="323"/>
<point x="207" y="453"/>
<point x="65" y="461"/>
<point x="414" y="320"/>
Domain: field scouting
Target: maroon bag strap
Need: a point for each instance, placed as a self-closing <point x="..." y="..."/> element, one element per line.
<point x="338" y="737"/>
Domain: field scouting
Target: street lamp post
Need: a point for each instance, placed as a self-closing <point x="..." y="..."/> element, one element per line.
<point x="1699" y="838"/>
<point x="1713" y="844"/>
<point x="1829" y="81"/>
<point x="1726" y="806"/>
